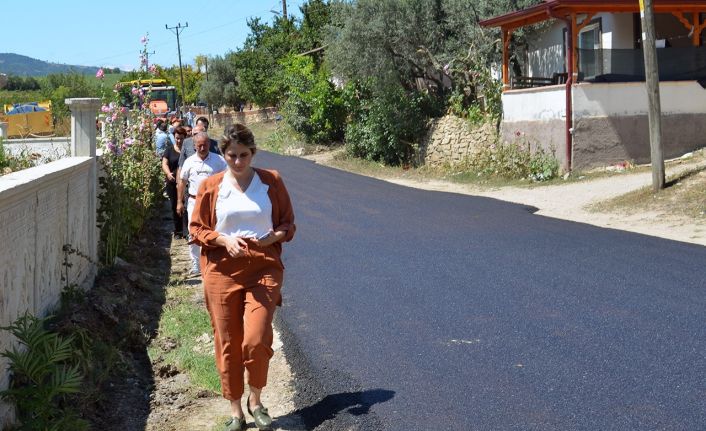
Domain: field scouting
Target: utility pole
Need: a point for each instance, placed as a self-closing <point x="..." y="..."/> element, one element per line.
<point x="206" y="64"/>
<point x="652" y="85"/>
<point x="176" y="30"/>
<point x="284" y="9"/>
<point x="147" y="59"/>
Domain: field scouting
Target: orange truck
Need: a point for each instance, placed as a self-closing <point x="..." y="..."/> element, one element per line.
<point x="162" y="96"/>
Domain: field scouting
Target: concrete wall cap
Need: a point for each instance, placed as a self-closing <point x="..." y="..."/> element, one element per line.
<point x="84" y="103"/>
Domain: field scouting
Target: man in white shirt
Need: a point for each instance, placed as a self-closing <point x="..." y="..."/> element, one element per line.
<point x="196" y="168"/>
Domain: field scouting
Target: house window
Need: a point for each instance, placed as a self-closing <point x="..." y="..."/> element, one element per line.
<point x="589" y="44"/>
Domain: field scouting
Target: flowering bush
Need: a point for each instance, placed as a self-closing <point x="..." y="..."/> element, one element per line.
<point x="131" y="181"/>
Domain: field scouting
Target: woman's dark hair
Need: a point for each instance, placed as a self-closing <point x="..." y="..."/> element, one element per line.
<point x="237" y="134"/>
<point x="181" y="130"/>
<point x="162" y="125"/>
<point x="202" y="120"/>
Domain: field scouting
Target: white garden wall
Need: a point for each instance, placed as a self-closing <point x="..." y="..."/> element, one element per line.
<point x="42" y="209"/>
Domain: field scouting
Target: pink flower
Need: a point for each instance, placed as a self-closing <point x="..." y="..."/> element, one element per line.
<point x="135" y="91"/>
<point x="128" y="142"/>
<point x="105" y="108"/>
<point x="100" y="74"/>
<point x="153" y="69"/>
<point x="123" y="109"/>
<point x="111" y="147"/>
<point x="144" y="39"/>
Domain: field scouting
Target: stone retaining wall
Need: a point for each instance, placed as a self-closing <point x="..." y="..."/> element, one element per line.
<point x="450" y="140"/>
<point x="245" y="117"/>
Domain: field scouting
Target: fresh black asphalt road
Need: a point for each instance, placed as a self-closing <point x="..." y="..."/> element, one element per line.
<point x="407" y="310"/>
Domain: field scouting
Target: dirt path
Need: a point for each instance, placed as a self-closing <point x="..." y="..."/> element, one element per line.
<point x="570" y="201"/>
<point x="177" y="406"/>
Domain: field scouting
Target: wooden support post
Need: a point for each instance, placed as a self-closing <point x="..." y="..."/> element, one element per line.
<point x="695" y="26"/>
<point x="653" y="102"/>
<point x="575" y="38"/>
<point x="696" y="35"/>
<point x="698" y="28"/>
<point x="506" y="58"/>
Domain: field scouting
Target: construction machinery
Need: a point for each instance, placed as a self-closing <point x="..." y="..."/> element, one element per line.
<point x="161" y="96"/>
<point x="31" y="119"/>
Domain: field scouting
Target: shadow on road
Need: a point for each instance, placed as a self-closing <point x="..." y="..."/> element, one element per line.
<point x="328" y="408"/>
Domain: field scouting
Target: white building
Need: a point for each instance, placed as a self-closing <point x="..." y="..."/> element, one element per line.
<point x="586" y="60"/>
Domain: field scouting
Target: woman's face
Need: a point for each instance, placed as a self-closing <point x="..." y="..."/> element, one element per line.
<point x="238" y="157"/>
<point x="179" y="139"/>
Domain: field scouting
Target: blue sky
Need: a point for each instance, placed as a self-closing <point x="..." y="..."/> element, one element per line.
<point x="107" y="33"/>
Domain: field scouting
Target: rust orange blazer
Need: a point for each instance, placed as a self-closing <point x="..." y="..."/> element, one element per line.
<point x="217" y="267"/>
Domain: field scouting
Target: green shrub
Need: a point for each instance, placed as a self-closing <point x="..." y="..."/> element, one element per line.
<point x="313" y="107"/>
<point x="45" y="372"/>
<point x="385" y="126"/>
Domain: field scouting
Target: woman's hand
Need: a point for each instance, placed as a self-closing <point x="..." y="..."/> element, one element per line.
<point x="170" y="177"/>
<point x="271" y="238"/>
<point x="235" y="246"/>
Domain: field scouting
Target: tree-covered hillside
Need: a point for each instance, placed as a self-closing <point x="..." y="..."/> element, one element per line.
<point x="15" y="64"/>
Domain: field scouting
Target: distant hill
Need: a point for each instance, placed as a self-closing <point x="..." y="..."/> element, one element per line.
<point x="15" y="64"/>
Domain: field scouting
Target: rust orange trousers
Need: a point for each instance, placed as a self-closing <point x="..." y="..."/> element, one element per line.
<point x="241" y="300"/>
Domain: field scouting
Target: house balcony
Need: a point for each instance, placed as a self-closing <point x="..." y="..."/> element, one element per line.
<point x="625" y="65"/>
<point x="628" y="65"/>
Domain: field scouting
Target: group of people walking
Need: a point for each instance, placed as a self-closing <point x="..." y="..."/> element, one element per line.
<point x="238" y="217"/>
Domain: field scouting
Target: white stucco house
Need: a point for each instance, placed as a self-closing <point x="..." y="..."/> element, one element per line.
<point x="581" y="91"/>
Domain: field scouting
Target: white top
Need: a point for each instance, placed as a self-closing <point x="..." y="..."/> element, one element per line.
<point x="245" y="215"/>
<point x="196" y="170"/>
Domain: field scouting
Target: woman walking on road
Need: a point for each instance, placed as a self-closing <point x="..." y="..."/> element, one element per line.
<point x="241" y="218"/>
<point x="170" y="162"/>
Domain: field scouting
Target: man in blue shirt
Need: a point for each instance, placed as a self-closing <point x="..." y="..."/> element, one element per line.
<point x="161" y="138"/>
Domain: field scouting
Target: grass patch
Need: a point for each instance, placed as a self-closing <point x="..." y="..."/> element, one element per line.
<point x="219" y="423"/>
<point x="185" y="321"/>
<point x="345" y="161"/>
<point x="262" y="132"/>
<point x="683" y="196"/>
<point x="281" y="139"/>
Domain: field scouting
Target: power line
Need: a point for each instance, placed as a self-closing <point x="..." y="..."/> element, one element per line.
<point x="189" y="37"/>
